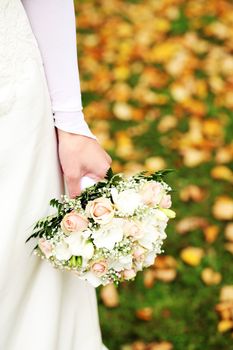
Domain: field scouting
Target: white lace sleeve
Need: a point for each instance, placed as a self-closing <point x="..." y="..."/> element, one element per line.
<point x="53" y="24"/>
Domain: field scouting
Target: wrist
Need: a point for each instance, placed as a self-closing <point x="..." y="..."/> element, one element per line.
<point x="62" y="134"/>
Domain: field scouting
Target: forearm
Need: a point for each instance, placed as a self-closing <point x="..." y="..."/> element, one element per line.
<point x="54" y="26"/>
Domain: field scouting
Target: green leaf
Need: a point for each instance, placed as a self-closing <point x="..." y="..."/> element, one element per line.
<point x="109" y="174"/>
<point x="79" y="261"/>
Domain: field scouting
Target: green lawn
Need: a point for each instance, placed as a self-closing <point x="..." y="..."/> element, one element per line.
<point x="120" y="62"/>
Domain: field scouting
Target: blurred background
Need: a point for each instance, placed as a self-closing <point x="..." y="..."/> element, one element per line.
<point x="157" y="89"/>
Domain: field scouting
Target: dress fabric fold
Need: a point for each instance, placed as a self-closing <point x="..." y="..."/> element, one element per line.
<point x="40" y="308"/>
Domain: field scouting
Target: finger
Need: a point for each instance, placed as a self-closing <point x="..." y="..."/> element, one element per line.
<point x="109" y="159"/>
<point x="74" y="186"/>
<point x="101" y="172"/>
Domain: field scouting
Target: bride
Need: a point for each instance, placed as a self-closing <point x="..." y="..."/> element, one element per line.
<point x="44" y="140"/>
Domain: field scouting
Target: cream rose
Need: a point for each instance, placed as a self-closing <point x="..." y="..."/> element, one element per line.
<point x="101" y="210"/>
<point x="129" y="274"/>
<point x="45" y="247"/>
<point x="165" y="201"/>
<point x="152" y="193"/>
<point x="99" y="268"/>
<point x="73" y="222"/>
<point x="133" y="229"/>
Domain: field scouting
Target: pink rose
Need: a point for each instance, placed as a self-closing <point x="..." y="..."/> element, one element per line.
<point x="99" y="268"/>
<point x="133" y="229"/>
<point x="151" y="193"/>
<point x="129" y="274"/>
<point x="46" y="247"/>
<point x="166" y="201"/>
<point x="139" y="253"/>
<point x="73" y="222"/>
<point x="101" y="210"/>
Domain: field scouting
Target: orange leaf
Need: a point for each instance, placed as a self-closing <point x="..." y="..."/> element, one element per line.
<point x="211" y="233"/>
<point x="165" y="261"/>
<point x="164" y="345"/>
<point x="190" y="224"/>
<point x="192" y="192"/>
<point x="109" y="295"/>
<point x="145" y="314"/>
<point x="165" y="275"/>
<point x="148" y="278"/>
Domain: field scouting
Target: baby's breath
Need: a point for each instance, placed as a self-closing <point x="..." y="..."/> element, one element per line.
<point x="148" y="246"/>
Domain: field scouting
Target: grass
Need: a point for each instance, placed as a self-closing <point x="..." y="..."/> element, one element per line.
<point x="183" y="310"/>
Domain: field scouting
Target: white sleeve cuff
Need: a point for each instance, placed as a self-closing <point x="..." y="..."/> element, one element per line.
<point x="73" y="122"/>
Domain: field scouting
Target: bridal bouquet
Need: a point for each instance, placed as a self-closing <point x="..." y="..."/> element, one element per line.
<point x="112" y="230"/>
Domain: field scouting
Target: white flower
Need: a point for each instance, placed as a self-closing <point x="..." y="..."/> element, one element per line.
<point x="86" y="234"/>
<point x="124" y="262"/>
<point x="62" y="251"/>
<point x="149" y="259"/>
<point x="91" y="278"/>
<point x="153" y="229"/>
<point x="126" y="201"/>
<point x="159" y="215"/>
<point x="79" y="246"/>
<point x="151" y="234"/>
<point x="160" y="219"/>
<point x="109" y="234"/>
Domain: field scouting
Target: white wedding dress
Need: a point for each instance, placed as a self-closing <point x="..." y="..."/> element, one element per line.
<point x="40" y="308"/>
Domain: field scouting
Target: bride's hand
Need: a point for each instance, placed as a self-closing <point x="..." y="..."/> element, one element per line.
<point x="81" y="155"/>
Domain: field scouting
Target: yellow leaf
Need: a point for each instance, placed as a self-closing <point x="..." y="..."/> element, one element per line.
<point x="155" y="164"/>
<point x="164" y="51"/>
<point x="212" y="128"/>
<point x="229" y="231"/>
<point x="225" y="325"/>
<point x="229" y="247"/>
<point x="193" y="157"/>
<point x="223" y="208"/>
<point x="122" y="111"/>
<point x="210" y="277"/>
<point x="224" y="154"/>
<point x="226" y="293"/>
<point x="167" y="123"/>
<point x="121" y="73"/>
<point x="192" y="255"/>
<point x="222" y="172"/>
